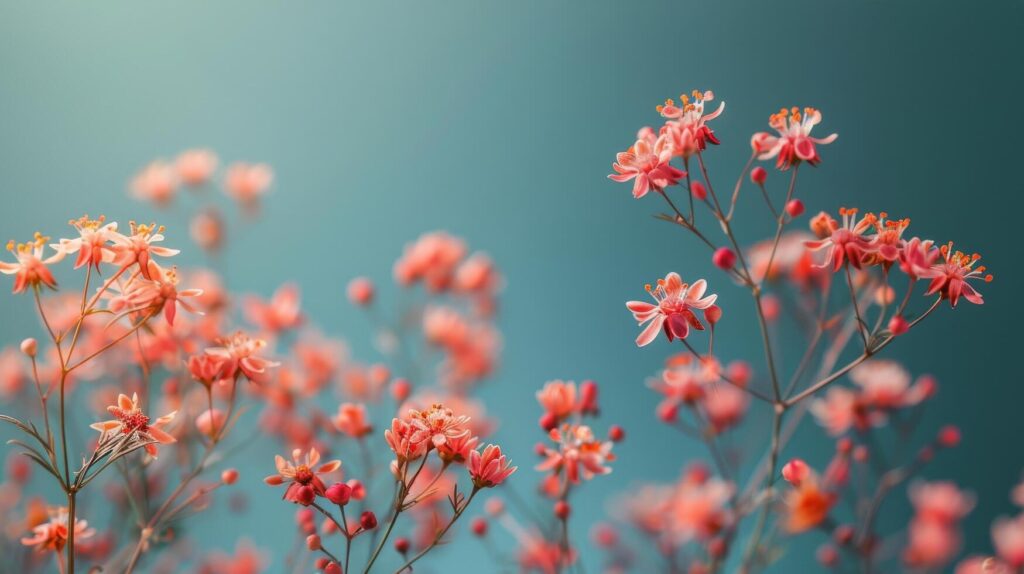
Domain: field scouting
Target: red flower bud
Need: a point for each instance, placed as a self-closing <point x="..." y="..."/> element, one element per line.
<point x="795" y="208"/>
<point x="758" y="175"/>
<point x="562" y="510"/>
<point x="698" y="190"/>
<point x="724" y="258"/>
<point x="616" y="433"/>
<point x="368" y="520"/>
<point x="796" y="471"/>
<point x="339" y="493"/>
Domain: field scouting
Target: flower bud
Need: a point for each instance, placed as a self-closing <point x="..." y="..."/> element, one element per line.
<point x="313" y="542"/>
<point x="402" y="545"/>
<point x="724" y="258"/>
<point x="795" y="471"/>
<point x="400" y="390"/>
<point x="588" y="397"/>
<point x="339" y="493"/>
<point x="949" y="436"/>
<point x="821" y="225"/>
<point x="827" y="555"/>
<point x="496" y="506"/>
<point x="305" y="495"/>
<point x="229" y="476"/>
<point x="843" y="534"/>
<point x="668" y="412"/>
<point x="795" y="208"/>
<point x="479" y="526"/>
<point x="368" y="520"/>
<point x="360" y="291"/>
<point x="332" y="568"/>
<point x="699" y="191"/>
<point x="29" y="347"/>
<point x="548" y="421"/>
<point x="616" y="433"/>
<point x="898" y="325"/>
<point x="562" y="510"/>
<point x="713" y="314"/>
<point x="758" y="175"/>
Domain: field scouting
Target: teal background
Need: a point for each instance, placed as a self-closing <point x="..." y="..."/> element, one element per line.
<point x="498" y="122"/>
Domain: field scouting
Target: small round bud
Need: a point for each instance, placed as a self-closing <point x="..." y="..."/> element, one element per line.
<point x="494" y="506"/>
<point x="759" y="175"/>
<point x="795" y="471"/>
<point x="332" y="568"/>
<point x="400" y="390"/>
<point x="479" y="526"/>
<point x="717" y="547"/>
<point x="795" y="208"/>
<point x="898" y="325"/>
<point x="29" y="347"/>
<point x="229" y="476"/>
<point x="668" y="412"/>
<point x="368" y="520"/>
<point x="827" y="555"/>
<point x="562" y="510"/>
<point x="358" y="490"/>
<point x="713" y="314"/>
<point x="843" y="534"/>
<point x="402" y="545"/>
<point x="724" y="258"/>
<point x="305" y="495"/>
<point x="313" y="542"/>
<point x="339" y="493"/>
<point x="844" y="445"/>
<point x="699" y="191"/>
<point x="588" y="397"/>
<point x="360" y="291"/>
<point x="548" y="421"/>
<point x="616" y="433"/>
<point x="605" y="535"/>
<point x="949" y="436"/>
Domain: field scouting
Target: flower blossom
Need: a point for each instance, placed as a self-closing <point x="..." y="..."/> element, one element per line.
<point x="158" y="293"/>
<point x="793" y="143"/>
<point x="578" y="453"/>
<point x="30" y="270"/>
<point x="558" y="398"/>
<point x="282" y="312"/>
<point x="950" y="277"/>
<point x="195" y="166"/>
<point x="687" y="129"/>
<point x="130" y="420"/>
<point x="156" y="182"/>
<point x="436" y="425"/>
<point x="845" y="243"/>
<point x="245" y="183"/>
<point x="351" y="420"/>
<point x="433" y="259"/>
<point x="648" y="166"/>
<point x="673" y="312"/>
<point x="302" y="472"/>
<point x="239" y="353"/>
<point x="1008" y="538"/>
<point x="52" y="535"/>
<point x="138" y="247"/>
<point x="489" y="468"/>
<point x="94" y="241"/>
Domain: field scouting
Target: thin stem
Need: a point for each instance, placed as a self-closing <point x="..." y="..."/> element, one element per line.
<point x="439" y="535"/>
<point x="861" y="327"/>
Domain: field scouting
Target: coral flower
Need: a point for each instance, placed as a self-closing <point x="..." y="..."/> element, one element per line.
<point x="156" y="182"/>
<point x="436" y="425"/>
<point x="558" y="398"/>
<point x="247" y="182"/>
<point x="846" y="243"/>
<point x="93" y="243"/>
<point x="917" y="258"/>
<point x="282" y="312"/>
<point x="159" y="293"/>
<point x="301" y="472"/>
<point x="673" y="312"/>
<point x="808" y="505"/>
<point x="887" y="243"/>
<point x="130" y="420"/>
<point x="794" y="142"/>
<point x="647" y="165"/>
<point x="351" y="420"/>
<point x="239" y="353"/>
<point x="942" y="502"/>
<point x="399" y="439"/>
<point x="490" y="468"/>
<point x="52" y="535"/>
<point x="138" y="247"/>
<point x="195" y="166"/>
<point x="1008" y="538"/>
<point x="688" y="131"/>
<point x="578" y="453"/>
<point x="433" y="259"/>
<point x="950" y="277"/>
<point x="30" y="269"/>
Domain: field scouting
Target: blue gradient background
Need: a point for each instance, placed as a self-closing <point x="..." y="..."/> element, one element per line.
<point x="498" y="122"/>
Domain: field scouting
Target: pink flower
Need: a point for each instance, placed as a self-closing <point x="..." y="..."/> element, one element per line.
<point x="240" y="355"/>
<point x="246" y="183"/>
<point x="950" y="277"/>
<point x="130" y="420"/>
<point x="887" y="243"/>
<point x="687" y="130"/>
<point x="930" y="544"/>
<point x="885" y="384"/>
<point x="673" y="312"/>
<point x="458" y="449"/>
<point x="138" y="247"/>
<point x="207" y="229"/>
<point x="247" y="559"/>
<point x="93" y="243"/>
<point x="282" y="312"/>
<point x="700" y="508"/>
<point x="648" y="166"/>
<point x="436" y="425"/>
<point x="195" y="166"/>
<point x="206" y="369"/>
<point x="399" y="438"/>
<point x="578" y="453"/>
<point x="301" y="472"/>
<point x="433" y="259"/>
<point x="917" y="258"/>
<point x="490" y="468"/>
<point x="52" y="535"/>
<point x="558" y="398"/>
<point x="846" y="243"/>
<point x="794" y="142"/>
<point x="724" y="405"/>
<point x="30" y="269"/>
<point x="156" y="182"/>
<point x="941" y="502"/>
<point x="158" y="293"/>
<point x="360" y="291"/>
<point x="839" y="410"/>
<point x="1008" y="538"/>
<point x="351" y="420"/>
<point x="211" y="422"/>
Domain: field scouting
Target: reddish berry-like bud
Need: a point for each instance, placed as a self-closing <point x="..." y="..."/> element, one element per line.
<point x="402" y="545"/>
<point x="540" y="449"/>
<point x="29" y="347"/>
<point x="698" y="190"/>
<point x="668" y="412"/>
<point x="229" y="476"/>
<point x="358" y="490"/>
<point x="321" y="563"/>
<point x="758" y="175"/>
<point x="313" y="542"/>
<point x="305" y="496"/>
<point x="339" y="493"/>
<point x="548" y="421"/>
<point x="494" y="506"/>
<point x="368" y="520"/>
<point x="605" y="535"/>
<point x="360" y="291"/>
<point x="400" y="390"/>
<point x="562" y="510"/>
<point x="843" y="534"/>
<point x="697" y="473"/>
<point x="588" y="397"/>
<point x="724" y="258"/>
<point x="304" y="516"/>
<point x="479" y="526"/>
<point x="332" y="568"/>
<point x="898" y="325"/>
<point x="616" y="433"/>
<point x="795" y="208"/>
<point x="949" y="436"/>
<point x="713" y="314"/>
<point x="796" y="471"/>
<point x="827" y="555"/>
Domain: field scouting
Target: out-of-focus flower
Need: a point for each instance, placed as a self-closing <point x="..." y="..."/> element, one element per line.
<point x="648" y="166"/>
<point x="360" y="291"/>
<point x="138" y="247"/>
<point x="207" y="229"/>
<point x="793" y="143"/>
<point x="433" y="259"/>
<point x="950" y="277"/>
<point x="52" y="535"/>
<point x="158" y="293"/>
<point x="845" y="243"/>
<point x="247" y="559"/>
<point x="195" y="166"/>
<point x="489" y="468"/>
<point x="558" y="398"/>
<point x="577" y="453"/>
<point x="30" y="268"/>
<point x="282" y="312"/>
<point x="1008" y="538"/>
<point x="352" y="421"/>
<point x="240" y="355"/>
<point x="156" y="182"/>
<point x="807" y="505"/>
<point x="436" y="425"/>
<point x="940" y="501"/>
<point x="246" y="183"/>
<point x="674" y="309"/>
<point x="687" y="129"/>
<point x="301" y="472"/>
<point x="130" y="420"/>
<point x="94" y="241"/>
